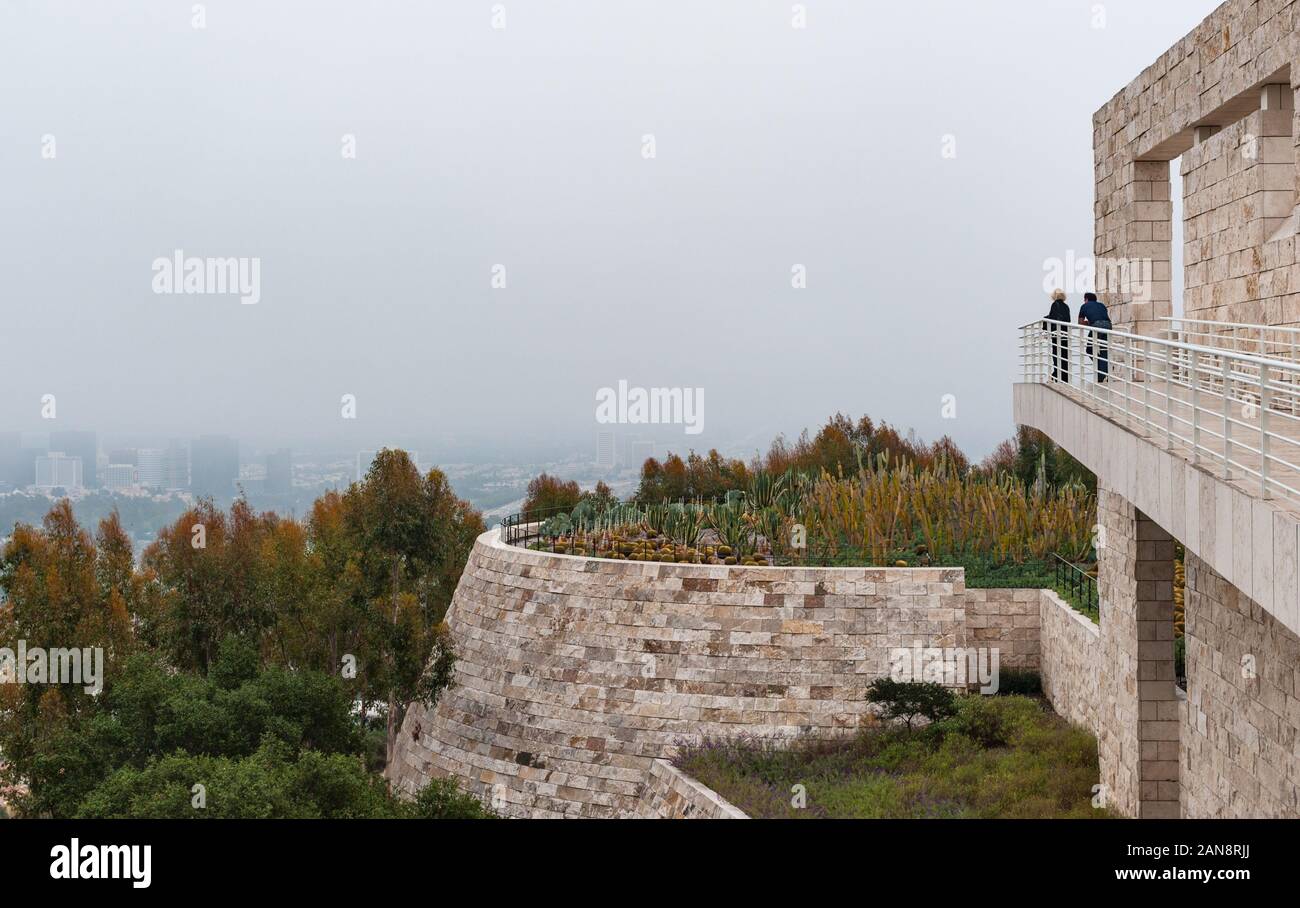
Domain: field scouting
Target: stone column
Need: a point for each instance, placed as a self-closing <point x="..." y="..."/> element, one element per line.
<point x="1134" y="262"/>
<point x="1158" y="724"/>
<point x="1138" y="719"/>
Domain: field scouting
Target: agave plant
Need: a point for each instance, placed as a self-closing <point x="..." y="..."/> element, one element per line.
<point x="728" y="521"/>
<point x="683" y="523"/>
<point x="765" y="490"/>
<point x="559" y="525"/>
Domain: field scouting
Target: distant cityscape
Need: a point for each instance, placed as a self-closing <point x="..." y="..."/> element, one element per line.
<point x="151" y="485"/>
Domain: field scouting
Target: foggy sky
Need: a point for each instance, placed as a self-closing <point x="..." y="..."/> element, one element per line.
<point x="522" y="146"/>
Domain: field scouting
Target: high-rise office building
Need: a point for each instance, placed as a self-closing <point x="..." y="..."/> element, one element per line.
<point x="176" y="467"/>
<point x="214" y="466"/>
<point x="118" y="477"/>
<point x="124" y="455"/>
<point x="79" y="444"/>
<point x="279" y="472"/>
<point x="149" y="469"/>
<point x="56" y="470"/>
<point x="605" y="450"/>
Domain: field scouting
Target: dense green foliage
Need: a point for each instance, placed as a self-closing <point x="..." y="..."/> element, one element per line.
<point x="247" y="654"/>
<point x="995" y="758"/>
<point x="1025" y="682"/>
<point x="241" y="742"/>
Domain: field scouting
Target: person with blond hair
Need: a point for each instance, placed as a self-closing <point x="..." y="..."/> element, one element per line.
<point x="1057" y="326"/>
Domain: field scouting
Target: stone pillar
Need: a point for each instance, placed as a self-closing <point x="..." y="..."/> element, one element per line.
<point x="1139" y="719"/>
<point x="1158" y="724"/>
<point x="1134" y="263"/>
<point x="1271" y="146"/>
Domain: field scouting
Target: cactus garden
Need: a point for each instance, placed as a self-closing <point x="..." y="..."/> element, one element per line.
<point x="887" y="514"/>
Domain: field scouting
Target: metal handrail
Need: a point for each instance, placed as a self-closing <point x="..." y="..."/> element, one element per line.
<point x="1181" y="345"/>
<point x="1225" y="406"/>
<point x="1082" y="585"/>
<point x="1237" y="336"/>
<point x="518" y="529"/>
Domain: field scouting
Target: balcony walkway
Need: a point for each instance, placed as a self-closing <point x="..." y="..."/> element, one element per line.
<point x="1203" y="441"/>
<point x="1232" y="413"/>
<point x="1242" y="452"/>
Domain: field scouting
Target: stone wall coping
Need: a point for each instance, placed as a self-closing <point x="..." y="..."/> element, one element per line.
<point x="725" y="809"/>
<point x="1077" y="616"/>
<point x="493" y="539"/>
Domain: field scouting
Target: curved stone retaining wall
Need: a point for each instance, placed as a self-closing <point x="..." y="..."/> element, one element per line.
<point x="575" y="674"/>
<point x="673" y="795"/>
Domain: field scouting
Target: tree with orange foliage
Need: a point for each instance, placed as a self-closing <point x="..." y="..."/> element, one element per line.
<point x="547" y="493"/>
<point x="61" y="591"/>
<point x="210" y="568"/>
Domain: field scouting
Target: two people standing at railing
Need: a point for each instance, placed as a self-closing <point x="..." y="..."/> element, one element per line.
<point x="1093" y="314"/>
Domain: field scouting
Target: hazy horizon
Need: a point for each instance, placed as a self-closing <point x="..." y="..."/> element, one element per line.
<point x="524" y="146"/>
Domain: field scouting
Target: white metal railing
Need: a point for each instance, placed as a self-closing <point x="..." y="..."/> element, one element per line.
<point x="1239" y="413"/>
<point x="1261" y="340"/>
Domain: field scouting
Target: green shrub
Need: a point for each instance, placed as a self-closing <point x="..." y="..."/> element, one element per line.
<point x="272" y="783"/>
<point x="1045" y="769"/>
<point x="441" y="799"/>
<point x="912" y="700"/>
<point x="979" y="718"/>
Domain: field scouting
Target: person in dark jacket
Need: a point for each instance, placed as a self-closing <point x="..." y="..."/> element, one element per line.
<point x="1057" y="325"/>
<point x="1094" y="314"/>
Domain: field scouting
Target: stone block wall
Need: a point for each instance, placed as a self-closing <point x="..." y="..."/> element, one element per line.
<point x="1071" y="661"/>
<point x="1233" y="73"/>
<point x="1241" y="731"/>
<point x="673" y="795"/>
<point x="575" y="674"/>
<point x="1006" y="620"/>
<point x="1241" y="599"/>
<point x="1238" y="192"/>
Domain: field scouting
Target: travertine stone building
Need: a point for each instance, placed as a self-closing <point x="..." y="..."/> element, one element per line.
<point x="1224" y="99"/>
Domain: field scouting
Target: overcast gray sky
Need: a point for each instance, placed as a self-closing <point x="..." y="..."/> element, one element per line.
<point x="523" y="146"/>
